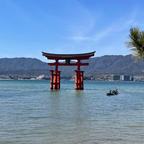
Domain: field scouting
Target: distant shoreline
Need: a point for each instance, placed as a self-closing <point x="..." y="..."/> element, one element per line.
<point x="63" y="79"/>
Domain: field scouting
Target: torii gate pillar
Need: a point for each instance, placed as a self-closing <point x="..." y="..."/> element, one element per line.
<point x="79" y="77"/>
<point x="55" y="79"/>
<point x="78" y="80"/>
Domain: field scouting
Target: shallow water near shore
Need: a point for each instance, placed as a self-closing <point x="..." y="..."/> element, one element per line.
<point x="30" y="113"/>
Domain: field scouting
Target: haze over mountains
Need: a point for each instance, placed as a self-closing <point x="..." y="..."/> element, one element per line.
<point x="109" y="64"/>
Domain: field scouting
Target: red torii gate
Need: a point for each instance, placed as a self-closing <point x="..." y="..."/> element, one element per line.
<point x="55" y="75"/>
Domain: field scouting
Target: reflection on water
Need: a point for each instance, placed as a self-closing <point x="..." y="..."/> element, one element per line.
<point x="30" y="113"/>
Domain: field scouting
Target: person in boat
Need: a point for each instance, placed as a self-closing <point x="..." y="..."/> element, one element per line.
<point x="110" y="92"/>
<point x="115" y="91"/>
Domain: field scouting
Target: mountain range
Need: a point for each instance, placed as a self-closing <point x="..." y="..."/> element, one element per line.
<point x="108" y="64"/>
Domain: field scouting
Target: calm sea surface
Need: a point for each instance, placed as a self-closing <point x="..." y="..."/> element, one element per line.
<point x="32" y="114"/>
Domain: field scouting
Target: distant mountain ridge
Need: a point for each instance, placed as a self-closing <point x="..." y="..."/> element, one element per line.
<point x="116" y="64"/>
<point x="108" y="64"/>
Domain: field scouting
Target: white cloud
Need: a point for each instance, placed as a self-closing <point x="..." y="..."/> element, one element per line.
<point x="118" y="26"/>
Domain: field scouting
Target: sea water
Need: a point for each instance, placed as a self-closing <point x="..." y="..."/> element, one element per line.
<point x="30" y="113"/>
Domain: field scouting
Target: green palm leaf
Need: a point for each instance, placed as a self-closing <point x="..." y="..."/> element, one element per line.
<point x="136" y="43"/>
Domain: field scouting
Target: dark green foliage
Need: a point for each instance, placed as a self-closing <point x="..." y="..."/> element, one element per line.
<point x="137" y="42"/>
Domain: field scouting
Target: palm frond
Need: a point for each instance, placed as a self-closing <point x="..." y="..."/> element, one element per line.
<point x="136" y="43"/>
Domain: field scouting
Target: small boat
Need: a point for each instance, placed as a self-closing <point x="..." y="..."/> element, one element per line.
<point x="112" y="93"/>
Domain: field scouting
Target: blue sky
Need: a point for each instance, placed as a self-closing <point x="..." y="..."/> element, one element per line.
<point x="28" y="27"/>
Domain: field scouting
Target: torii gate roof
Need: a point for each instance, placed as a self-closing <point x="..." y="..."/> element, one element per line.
<point x="68" y="56"/>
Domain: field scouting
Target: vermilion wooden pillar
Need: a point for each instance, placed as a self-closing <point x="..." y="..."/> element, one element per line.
<point x="51" y="81"/>
<point x="78" y="77"/>
<point x="55" y="80"/>
<point x="78" y="80"/>
<point x="82" y="85"/>
<point x="58" y="80"/>
<point x="55" y="77"/>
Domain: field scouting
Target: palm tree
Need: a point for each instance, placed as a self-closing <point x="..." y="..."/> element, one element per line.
<point x="136" y="43"/>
